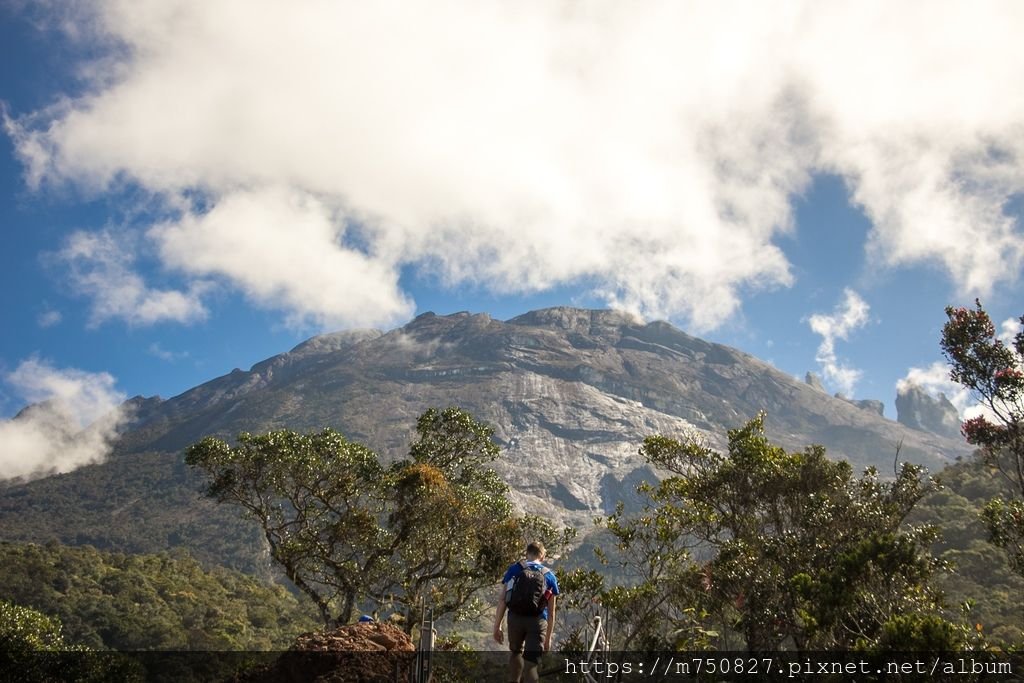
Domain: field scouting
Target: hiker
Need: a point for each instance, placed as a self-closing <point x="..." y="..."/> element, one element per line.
<point x="528" y="593"/>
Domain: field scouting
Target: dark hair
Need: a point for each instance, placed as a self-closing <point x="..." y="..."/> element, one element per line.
<point x="535" y="549"/>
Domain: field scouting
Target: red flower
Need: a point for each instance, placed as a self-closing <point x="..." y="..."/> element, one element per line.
<point x="1008" y="375"/>
<point x="979" y="432"/>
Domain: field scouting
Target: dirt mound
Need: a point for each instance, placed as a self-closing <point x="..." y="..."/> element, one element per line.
<point x="371" y="637"/>
<point x="357" y="653"/>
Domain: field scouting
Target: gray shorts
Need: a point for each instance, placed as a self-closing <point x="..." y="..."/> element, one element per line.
<point x="526" y="635"/>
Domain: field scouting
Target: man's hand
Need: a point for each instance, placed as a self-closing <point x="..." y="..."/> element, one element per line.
<point x="547" y="643"/>
<point x="499" y="637"/>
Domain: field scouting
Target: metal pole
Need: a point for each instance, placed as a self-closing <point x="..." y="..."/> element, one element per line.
<point x="597" y="635"/>
<point x="427" y="632"/>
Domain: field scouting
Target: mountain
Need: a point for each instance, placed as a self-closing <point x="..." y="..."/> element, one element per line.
<point x="570" y="393"/>
<point x="918" y="410"/>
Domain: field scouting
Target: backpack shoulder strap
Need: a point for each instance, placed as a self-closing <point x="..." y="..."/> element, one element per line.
<point x="525" y="565"/>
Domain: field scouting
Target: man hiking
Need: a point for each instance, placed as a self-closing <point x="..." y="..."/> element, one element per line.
<point x="528" y="593"/>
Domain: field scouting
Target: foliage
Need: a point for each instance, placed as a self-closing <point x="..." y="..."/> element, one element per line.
<point x="22" y="629"/>
<point x="924" y="633"/>
<point x="316" y="498"/>
<point x="450" y="523"/>
<point x="994" y="372"/>
<point x="436" y="526"/>
<point x="1005" y="522"/>
<point x="980" y="577"/>
<point x="785" y="549"/>
<point x="32" y="648"/>
<point x="147" y="602"/>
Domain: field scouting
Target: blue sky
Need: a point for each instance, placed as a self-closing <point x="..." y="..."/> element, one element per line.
<point x="189" y="187"/>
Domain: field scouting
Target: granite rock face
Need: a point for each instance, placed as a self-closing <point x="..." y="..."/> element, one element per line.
<point x="918" y="410"/>
<point x="577" y="390"/>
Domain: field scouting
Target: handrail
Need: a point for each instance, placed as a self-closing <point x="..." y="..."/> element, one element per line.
<point x="597" y="635"/>
<point x="425" y="648"/>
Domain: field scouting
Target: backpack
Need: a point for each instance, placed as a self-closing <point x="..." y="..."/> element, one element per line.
<point x="528" y="595"/>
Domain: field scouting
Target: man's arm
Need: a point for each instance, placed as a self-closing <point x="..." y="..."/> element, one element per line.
<point x="499" y="614"/>
<point x="552" y="608"/>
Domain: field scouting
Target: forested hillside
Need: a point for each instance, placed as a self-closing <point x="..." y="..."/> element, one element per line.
<point x="137" y="503"/>
<point x="979" y="572"/>
<point x="149" y="602"/>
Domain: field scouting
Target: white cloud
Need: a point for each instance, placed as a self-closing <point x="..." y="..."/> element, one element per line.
<point x="909" y="91"/>
<point x="163" y="354"/>
<point x="1008" y="330"/>
<point x="72" y="421"/>
<point x="285" y="249"/>
<point x="651" y="151"/>
<point x="49" y="318"/>
<point x="848" y="316"/>
<point x="100" y="266"/>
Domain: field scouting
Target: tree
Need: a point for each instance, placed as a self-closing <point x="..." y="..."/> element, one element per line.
<point x="452" y="528"/>
<point x="316" y="497"/>
<point x="994" y="373"/>
<point x="32" y="648"/>
<point x="437" y="525"/>
<point x="24" y="629"/>
<point x="785" y="549"/>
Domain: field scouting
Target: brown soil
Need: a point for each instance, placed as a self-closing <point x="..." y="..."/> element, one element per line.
<point x="372" y="637"/>
<point x="357" y="653"/>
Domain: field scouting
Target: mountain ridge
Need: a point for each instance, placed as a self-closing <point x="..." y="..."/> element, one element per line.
<point x="574" y="389"/>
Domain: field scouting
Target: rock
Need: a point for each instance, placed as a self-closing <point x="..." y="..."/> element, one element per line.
<point x="871" y="405"/>
<point x="918" y="410"/>
<point x="814" y="382"/>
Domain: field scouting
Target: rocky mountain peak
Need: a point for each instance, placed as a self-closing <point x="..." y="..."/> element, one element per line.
<point x="578" y="320"/>
<point x="917" y="410"/>
<point x="813" y="381"/>
<point x="335" y="341"/>
<point x="429" y="325"/>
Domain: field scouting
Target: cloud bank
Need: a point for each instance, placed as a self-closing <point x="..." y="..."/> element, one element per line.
<point x="72" y="419"/>
<point x="651" y="152"/>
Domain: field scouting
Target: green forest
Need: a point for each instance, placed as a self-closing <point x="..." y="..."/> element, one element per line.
<point x="149" y="602"/>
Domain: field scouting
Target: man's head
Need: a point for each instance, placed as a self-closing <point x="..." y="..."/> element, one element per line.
<point x="535" y="550"/>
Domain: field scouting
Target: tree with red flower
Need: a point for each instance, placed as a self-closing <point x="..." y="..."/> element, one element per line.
<point x="992" y="371"/>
